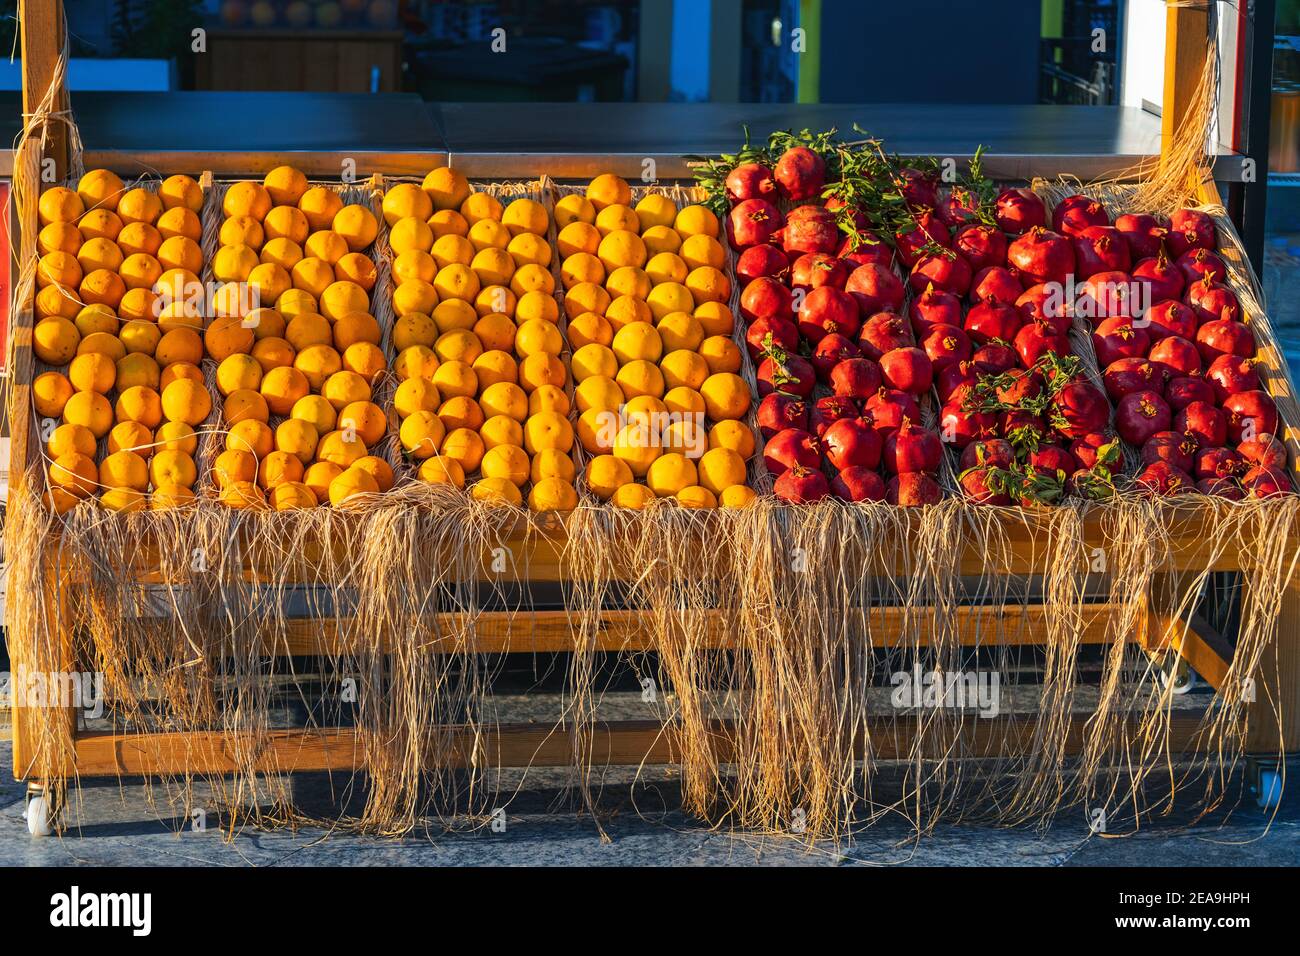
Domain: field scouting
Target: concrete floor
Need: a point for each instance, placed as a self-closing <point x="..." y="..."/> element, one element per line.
<point x="118" y="828"/>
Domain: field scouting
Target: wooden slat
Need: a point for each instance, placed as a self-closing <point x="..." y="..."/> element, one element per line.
<point x="1204" y="648"/>
<point x="1187" y="32"/>
<point x="525" y="745"/>
<point x="502" y="632"/>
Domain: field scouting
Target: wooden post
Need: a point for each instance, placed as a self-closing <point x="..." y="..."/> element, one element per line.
<point x="42" y="31"/>
<point x="1187" y="31"/>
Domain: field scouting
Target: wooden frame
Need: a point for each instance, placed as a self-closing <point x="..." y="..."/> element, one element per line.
<point x="637" y="742"/>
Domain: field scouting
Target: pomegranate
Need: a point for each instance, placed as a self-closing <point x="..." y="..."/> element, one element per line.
<point x="919" y="190"/>
<point x="1162" y="478"/>
<point x="758" y="261"/>
<point x="912" y="490"/>
<point x="993" y="321"/>
<point x="977" y="483"/>
<point x="906" y="369"/>
<point x="851" y="442"/>
<point x="1144" y="234"/>
<point x="1076" y="213"/>
<point x="1079" y="408"/>
<point x="1189" y="229"/>
<point x="1177" y="449"/>
<point x="801" y="485"/>
<point x="768" y="334"/>
<point x="1185" y="389"/>
<point x="959" y="426"/>
<point x="1203" y="422"/>
<point x="1225" y="337"/>
<point x="1265" y="482"/>
<point x="753" y="222"/>
<point x="911" y="448"/>
<point x="1250" y="414"/>
<point x="1019" y="210"/>
<point x="1053" y="460"/>
<point x="766" y="297"/>
<point x="863" y="248"/>
<point x="1036" y="339"/>
<point x="1015" y="387"/>
<point x="1177" y="355"/>
<point x="830" y="351"/>
<point x="994" y="283"/>
<point x="995" y="358"/>
<point x="959" y="207"/>
<point x="1127" y="375"/>
<point x="1162" y="278"/>
<point x="1220" y="488"/>
<point x="830" y="409"/>
<point x="1117" y="338"/>
<point x="1100" y="249"/>
<point x="884" y="332"/>
<point x="826" y="310"/>
<point x="858" y="484"/>
<point x="1211" y="300"/>
<point x="1264" y="451"/>
<point x="854" y="215"/>
<point x="816" y="269"/>
<point x="810" y="229"/>
<point x="982" y="246"/>
<point x="779" y="411"/>
<point x="800" y="173"/>
<point x="889" y="408"/>
<point x="945" y="270"/>
<point x="925" y="231"/>
<point x="946" y="345"/>
<point x="1219" y="463"/>
<point x="1022" y="428"/>
<point x="1197" y="265"/>
<point x="876" y="288"/>
<point x="1169" y="318"/>
<point x="1047" y="303"/>
<point x="858" y="377"/>
<point x="934" y="307"/>
<point x="782" y="371"/>
<point x="750" y="181"/>
<point x="1104" y="295"/>
<point x="988" y="451"/>
<point x="955" y="382"/>
<point x="790" y="447"/>
<point x="1093" y="449"/>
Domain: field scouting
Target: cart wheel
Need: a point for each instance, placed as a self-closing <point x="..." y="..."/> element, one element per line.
<point x="1266" y="781"/>
<point x="1176" y="672"/>
<point x="38" y="813"/>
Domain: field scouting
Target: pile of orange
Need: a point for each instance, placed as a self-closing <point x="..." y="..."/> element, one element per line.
<point x="297" y="346"/>
<point x="482" y="396"/>
<point x="113" y="317"/>
<point x="655" y="367"/>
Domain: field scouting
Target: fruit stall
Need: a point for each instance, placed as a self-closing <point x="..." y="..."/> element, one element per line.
<point x="828" y="437"/>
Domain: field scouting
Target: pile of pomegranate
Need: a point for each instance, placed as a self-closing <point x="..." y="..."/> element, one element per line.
<point x="870" y="295"/>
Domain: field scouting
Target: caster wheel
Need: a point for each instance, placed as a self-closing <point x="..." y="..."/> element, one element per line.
<point x="38" y="815"/>
<point x="1266" y="783"/>
<point x="1179" y="677"/>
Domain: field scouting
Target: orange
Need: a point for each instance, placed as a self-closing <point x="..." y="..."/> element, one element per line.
<point x="318" y="477"/>
<point x="633" y="496"/>
<point x="170" y="496"/>
<point x="238" y="371"/>
<point x="577" y="237"/>
<point x="366" y="359"/>
<point x="376" y="468"/>
<point x="608" y="189"/>
<point x="342" y="447"/>
<point x="682" y="367"/>
<point x="51" y="391"/>
<point x="414" y="264"/>
<point x="599" y="392"/>
<point x="696" y="220"/>
<point x="442" y="471"/>
<point x="242" y="495"/>
<point x="547" y="430"/>
<point x="528" y="249"/>
<point x="421" y="434"/>
<point x="234" y="465"/>
<point x="641" y="378"/>
<point x="627" y="309"/>
<point x="292" y="495"/>
<point x="446" y="187"/>
<point x="355" y="327"/>
<point x="317" y="363"/>
<point x="110" y="345"/>
<point x="180" y="223"/>
<point x="357" y="225"/>
<point x="172" y="469"/>
<point x="500" y="430"/>
<point x="326" y="245"/>
<point x="123" y="500"/>
<point x="316" y="411"/>
<point x="277" y="468"/>
<point x="308" y="329"/>
<point x="416" y="394"/>
<point x="285" y="185"/>
<point x="298" y="438"/>
<point x="96" y="318"/>
<point x="242" y="231"/>
<point x="93" y="254"/>
<point x="139" y="404"/>
<point x="496" y="492"/>
<point x="358" y="269"/>
<point x="703" y="250"/>
<point x="176" y="436"/>
<point x="59" y="237"/>
<point x="282" y="252"/>
<point x="366" y="419"/>
<point x="606" y="474"/>
<point x="251" y="436"/>
<point x="311" y="275"/>
<point x="696" y="496"/>
<point x="414" y="328"/>
<point x="680" y="330"/>
<point x="320" y="205"/>
<point x="405" y="200"/>
<point x="92" y="371"/>
<point x="139" y="205"/>
<point x="725" y="396"/>
<point x="243" y="404"/>
<point x="226" y="336"/>
<point x="417" y="361"/>
<point x="246" y="199"/>
<point x="574" y="208"/>
<point x="463" y="446"/>
<point x="266" y="323"/>
<point x="617" y="217"/>
<point x="63" y="268"/>
<point x="541" y="369"/>
<point x="552" y="463"/>
<point x="460" y="411"/>
<point x="90" y="410"/>
<point x="508" y="463"/>
<point x="552" y="494"/>
<point x="124" y="469"/>
<point x="343" y="297"/>
<point x="140" y="304"/>
<point x="57" y="300"/>
<point x="448" y="222"/>
<point x="100" y="223"/>
<point x="456" y="378"/>
<point x="720" y="469"/>
<point x="670" y="473"/>
<point x="75" y="474"/>
<point x="140" y="271"/>
<point x="71" y="438"/>
<point x="99" y="187"/>
<point x="180" y="191"/>
<point x="286" y="222"/>
<point x="282" y="387"/>
<point x="185" y="400"/>
<point x="478" y="207"/>
<point x="59" y="204"/>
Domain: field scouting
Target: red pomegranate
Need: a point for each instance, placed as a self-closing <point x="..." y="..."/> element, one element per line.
<point x="858" y="484"/>
<point x="955" y="382"/>
<point x="826" y="310"/>
<point x="1220" y="488"/>
<point x="1162" y="478"/>
<point x="766" y="297"/>
<point x="934" y="307"/>
<point x="1104" y="295"/>
<point x="790" y="447"/>
<point x="801" y="485"/>
<point x="1266" y="483"/>
<point x="851" y="442"/>
<point x="1225" y="337"/>
<point x="1074" y="214"/>
<point x="982" y="246"/>
<point x="1170" y="446"/>
<point x="810" y="228"/>
<point x="1047" y="303"/>
<point x="1080" y="408"/>
<point x="923" y="232"/>
<point x="946" y="345"/>
<point x="1177" y="355"/>
<point x="1197" y="265"/>
<point x="1185" y="389"/>
<point x="830" y="351"/>
<point x="754" y="222"/>
<point x="1264" y="451"/>
<point x="1019" y="210"/>
<point x="978" y="485"/>
<point x="758" y="261"/>
<point x="1127" y="375"/>
<point x="912" y="490"/>
<point x="1212" y="300"/>
<point x="816" y="269"/>
<point x="876" y="288"/>
<point x="1189" y="229"/>
<point x="884" y="332"/>
<point x="959" y="426"/>
<point x="1203" y="422"/>
<point x="995" y="358"/>
<point x="1219" y="462"/>
<point x="993" y="321"/>
<point x="1022" y="428"/>
<point x="1161" y="277"/>
<point x="1036" y="339"/>
<point x="996" y="452"/>
<point x="1144" y="234"/>
<point x="1094" y="447"/>
<point x="944" y="270"/>
<point x="782" y="371"/>
<point x="1100" y="249"/>
<point x="865" y="248"/>
<point x="1168" y="318"/>
<point x="1250" y="414"/>
<point x="830" y="409"/>
<point x="750" y="181"/>
<point x="857" y="377"/>
<point x="920" y="190"/>
<point x="854" y="215"/>
<point x="779" y="411"/>
<point x="907" y="369"/>
<point x="800" y="173"/>
<point x="1052" y="460"/>
<point x="911" y="448"/>
<point x="1116" y="338"/>
<point x="994" y="283"/>
<point x="769" y="334"/>
<point x="889" y="408"/>
<point x="959" y="207"/>
<point x="1017" y="386"/>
